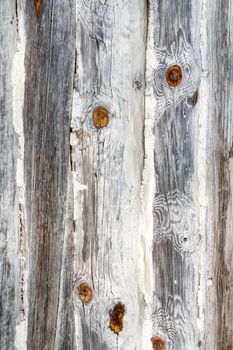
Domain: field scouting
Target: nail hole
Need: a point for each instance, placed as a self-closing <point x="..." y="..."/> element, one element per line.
<point x="158" y="344"/>
<point x="174" y="75"/>
<point x="116" y="318"/>
<point x="137" y="85"/>
<point x="85" y="293"/>
<point x="192" y="100"/>
<point x="100" y="117"/>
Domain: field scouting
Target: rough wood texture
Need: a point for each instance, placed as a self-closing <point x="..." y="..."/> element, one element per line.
<point x="107" y="165"/>
<point x="192" y="251"/>
<point x="220" y="175"/>
<point x="176" y="233"/>
<point x="49" y="65"/>
<point x="116" y="175"/>
<point x="9" y="259"/>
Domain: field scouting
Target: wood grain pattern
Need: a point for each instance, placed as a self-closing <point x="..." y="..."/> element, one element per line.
<point x="49" y="66"/>
<point x="175" y="218"/>
<point x="107" y="170"/>
<point x="116" y="175"/>
<point x="9" y="260"/>
<point x="219" y="151"/>
<point x="176" y="231"/>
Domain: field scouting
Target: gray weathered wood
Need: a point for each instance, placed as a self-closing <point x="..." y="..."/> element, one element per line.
<point x="176" y="233"/>
<point x="107" y="167"/>
<point x="49" y="66"/>
<point x="219" y="238"/>
<point x="9" y="259"/>
<point x="192" y="208"/>
<point x="117" y="237"/>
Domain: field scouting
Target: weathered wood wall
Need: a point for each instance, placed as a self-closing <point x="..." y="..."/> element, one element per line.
<point x="116" y="175"/>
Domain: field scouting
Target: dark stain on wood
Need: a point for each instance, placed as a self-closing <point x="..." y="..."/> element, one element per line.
<point x="174" y="75"/>
<point x="85" y="293"/>
<point x="100" y="117"/>
<point x="38" y="7"/>
<point x="224" y="298"/>
<point x="16" y="18"/>
<point x="158" y="343"/>
<point x="192" y="100"/>
<point x="116" y="318"/>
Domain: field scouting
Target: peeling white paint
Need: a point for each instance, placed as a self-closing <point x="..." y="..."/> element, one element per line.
<point x="18" y="79"/>
<point x="21" y="335"/>
<point x="201" y="163"/>
<point x="147" y="192"/>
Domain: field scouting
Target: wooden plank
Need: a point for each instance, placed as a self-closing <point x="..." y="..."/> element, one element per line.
<point x="116" y="175"/>
<point x="49" y="66"/>
<point x="220" y="187"/>
<point x="9" y="278"/>
<point x="174" y="69"/>
<point x="107" y="165"/>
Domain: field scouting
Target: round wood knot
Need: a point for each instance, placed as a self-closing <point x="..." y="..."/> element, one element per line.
<point x="100" y="117"/>
<point x="116" y="318"/>
<point x="174" y="75"/>
<point x="85" y="293"/>
<point x="158" y="344"/>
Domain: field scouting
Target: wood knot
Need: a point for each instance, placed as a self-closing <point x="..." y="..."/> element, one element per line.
<point x="100" y="117"/>
<point x="158" y="344"/>
<point x="85" y="293"/>
<point x="38" y="7"/>
<point x="174" y="75"/>
<point x="116" y="318"/>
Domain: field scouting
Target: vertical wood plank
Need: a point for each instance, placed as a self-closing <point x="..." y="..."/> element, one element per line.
<point x="220" y="175"/>
<point x="107" y="165"/>
<point x="8" y="196"/>
<point x="174" y="43"/>
<point x="76" y="267"/>
<point x="49" y="65"/>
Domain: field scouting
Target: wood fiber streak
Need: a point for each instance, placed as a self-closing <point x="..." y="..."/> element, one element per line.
<point x="49" y="63"/>
<point x="220" y="184"/>
<point x="107" y="166"/>
<point x="8" y="197"/>
<point x="175" y="212"/>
